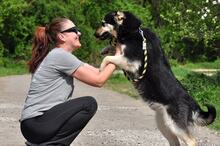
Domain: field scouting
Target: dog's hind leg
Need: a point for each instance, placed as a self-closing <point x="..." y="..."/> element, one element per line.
<point x="161" y="120"/>
<point x="172" y="132"/>
<point x="187" y="137"/>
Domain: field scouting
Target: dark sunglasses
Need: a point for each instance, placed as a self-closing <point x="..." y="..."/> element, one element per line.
<point x="72" y="29"/>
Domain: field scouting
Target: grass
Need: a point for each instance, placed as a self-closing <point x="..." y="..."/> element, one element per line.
<point x="216" y="124"/>
<point x="205" y="89"/>
<point x="207" y="65"/>
<point x="119" y="83"/>
<point x="12" y="67"/>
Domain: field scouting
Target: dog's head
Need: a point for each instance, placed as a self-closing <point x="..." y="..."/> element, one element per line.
<point x="117" y="23"/>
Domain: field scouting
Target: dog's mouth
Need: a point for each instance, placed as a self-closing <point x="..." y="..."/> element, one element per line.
<point x="103" y="36"/>
<point x="106" y="31"/>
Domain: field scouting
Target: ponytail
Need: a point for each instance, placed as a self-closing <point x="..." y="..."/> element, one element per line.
<point x="40" y="48"/>
<point x="43" y="37"/>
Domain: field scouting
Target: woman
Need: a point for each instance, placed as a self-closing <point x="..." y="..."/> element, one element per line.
<point x="49" y="117"/>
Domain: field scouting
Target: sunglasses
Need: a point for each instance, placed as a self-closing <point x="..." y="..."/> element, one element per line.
<point x="72" y="29"/>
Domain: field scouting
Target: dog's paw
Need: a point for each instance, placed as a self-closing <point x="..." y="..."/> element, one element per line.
<point x="102" y="66"/>
<point x="104" y="63"/>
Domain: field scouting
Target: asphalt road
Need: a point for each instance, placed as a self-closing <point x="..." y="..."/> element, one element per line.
<point x="119" y="121"/>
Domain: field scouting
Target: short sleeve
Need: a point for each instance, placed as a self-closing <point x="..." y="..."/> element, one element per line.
<point x="66" y="62"/>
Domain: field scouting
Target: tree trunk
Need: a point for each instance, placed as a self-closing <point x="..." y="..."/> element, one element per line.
<point x="155" y="11"/>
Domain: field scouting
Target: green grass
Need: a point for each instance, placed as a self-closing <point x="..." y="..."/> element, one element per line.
<point x="207" y="65"/>
<point x="205" y="89"/>
<point x="180" y="72"/>
<point x="216" y="124"/>
<point x="119" y="83"/>
<point x="12" y="67"/>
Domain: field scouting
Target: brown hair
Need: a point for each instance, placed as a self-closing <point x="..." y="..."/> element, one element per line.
<point x="44" y="37"/>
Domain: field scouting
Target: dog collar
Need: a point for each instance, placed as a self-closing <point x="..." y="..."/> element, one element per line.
<point x="145" y="60"/>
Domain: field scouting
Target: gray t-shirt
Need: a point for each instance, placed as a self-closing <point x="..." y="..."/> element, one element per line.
<point x="51" y="84"/>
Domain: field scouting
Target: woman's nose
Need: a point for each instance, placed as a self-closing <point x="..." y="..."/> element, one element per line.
<point x="78" y="33"/>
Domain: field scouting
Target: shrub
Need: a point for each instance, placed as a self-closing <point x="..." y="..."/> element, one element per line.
<point x="203" y="88"/>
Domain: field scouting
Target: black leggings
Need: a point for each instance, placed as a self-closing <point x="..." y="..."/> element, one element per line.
<point x="61" y="124"/>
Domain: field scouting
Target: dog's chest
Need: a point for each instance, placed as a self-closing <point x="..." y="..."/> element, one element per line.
<point x="132" y="50"/>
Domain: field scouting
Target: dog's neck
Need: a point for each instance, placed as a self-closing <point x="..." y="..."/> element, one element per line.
<point x="126" y="35"/>
<point x="144" y="47"/>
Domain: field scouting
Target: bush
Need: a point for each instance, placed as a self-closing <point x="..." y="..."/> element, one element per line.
<point x="190" y="30"/>
<point x="184" y="33"/>
<point x="15" y="27"/>
<point x="203" y="88"/>
<point x="1" y="49"/>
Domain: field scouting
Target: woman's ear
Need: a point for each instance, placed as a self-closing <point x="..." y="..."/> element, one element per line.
<point x="61" y="37"/>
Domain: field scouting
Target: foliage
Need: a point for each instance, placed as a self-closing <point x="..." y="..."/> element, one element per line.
<point x="187" y="29"/>
<point x="1" y="49"/>
<point x="9" y="66"/>
<point x="13" y="25"/>
<point x="191" y="29"/>
<point x="204" y="88"/>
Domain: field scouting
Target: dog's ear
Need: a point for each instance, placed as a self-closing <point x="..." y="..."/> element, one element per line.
<point x="119" y="18"/>
<point x="130" y="22"/>
<point x="110" y="17"/>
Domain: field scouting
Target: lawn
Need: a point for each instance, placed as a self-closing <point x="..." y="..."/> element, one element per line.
<point x="12" y="67"/>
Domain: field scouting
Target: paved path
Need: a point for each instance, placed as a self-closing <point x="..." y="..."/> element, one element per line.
<point x="208" y="72"/>
<point x="119" y="121"/>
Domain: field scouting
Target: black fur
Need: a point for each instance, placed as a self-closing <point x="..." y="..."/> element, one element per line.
<point x="159" y="85"/>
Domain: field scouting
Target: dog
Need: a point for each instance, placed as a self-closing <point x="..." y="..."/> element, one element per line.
<point x="144" y="63"/>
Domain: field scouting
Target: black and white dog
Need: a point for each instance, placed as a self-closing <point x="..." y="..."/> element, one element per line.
<point x="144" y="62"/>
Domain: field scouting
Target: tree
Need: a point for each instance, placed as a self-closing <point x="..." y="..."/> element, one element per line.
<point x="187" y="29"/>
<point x="14" y="27"/>
<point x="190" y="29"/>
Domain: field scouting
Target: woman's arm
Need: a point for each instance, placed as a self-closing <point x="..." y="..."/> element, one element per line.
<point x="93" y="76"/>
<point x="91" y="67"/>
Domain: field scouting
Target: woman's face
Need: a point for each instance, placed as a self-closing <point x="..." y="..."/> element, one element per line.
<point x="72" y="35"/>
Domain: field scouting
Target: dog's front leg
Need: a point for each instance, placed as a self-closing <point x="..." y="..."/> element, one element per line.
<point x="117" y="60"/>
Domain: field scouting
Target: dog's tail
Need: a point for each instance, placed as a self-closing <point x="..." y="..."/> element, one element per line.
<point x="202" y="118"/>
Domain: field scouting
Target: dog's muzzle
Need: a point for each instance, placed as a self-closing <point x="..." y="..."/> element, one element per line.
<point x="104" y="32"/>
<point x="103" y="36"/>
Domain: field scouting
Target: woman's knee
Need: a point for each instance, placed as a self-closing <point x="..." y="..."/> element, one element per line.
<point x="92" y="104"/>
